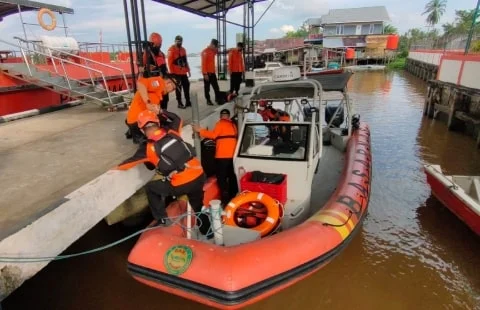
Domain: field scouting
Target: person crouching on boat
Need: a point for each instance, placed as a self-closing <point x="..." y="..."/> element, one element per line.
<point x="150" y="91"/>
<point x="155" y="62"/>
<point x="174" y="159"/>
<point x="225" y="136"/>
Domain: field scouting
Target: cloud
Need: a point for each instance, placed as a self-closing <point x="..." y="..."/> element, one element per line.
<point x="287" y="28"/>
<point x="275" y="30"/>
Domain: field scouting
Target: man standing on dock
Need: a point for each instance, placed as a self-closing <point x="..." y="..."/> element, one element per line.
<point x="155" y="61"/>
<point x="208" y="71"/>
<point x="236" y="67"/>
<point x="178" y="66"/>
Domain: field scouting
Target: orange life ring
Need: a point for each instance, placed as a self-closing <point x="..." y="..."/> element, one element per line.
<point x="40" y="14"/>
<point x="274" y="211"/>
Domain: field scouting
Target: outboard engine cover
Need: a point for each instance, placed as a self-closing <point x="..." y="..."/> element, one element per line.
<point x="330" y="110"/>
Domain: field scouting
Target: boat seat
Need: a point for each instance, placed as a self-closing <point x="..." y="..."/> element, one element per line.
<point x="475" y="189"/>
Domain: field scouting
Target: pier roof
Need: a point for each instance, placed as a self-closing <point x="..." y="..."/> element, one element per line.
<point x="205" y="8"/>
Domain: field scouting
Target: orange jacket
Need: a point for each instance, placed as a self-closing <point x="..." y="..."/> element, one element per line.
<point x="155" y="87"/>
<point x="235" y="61"/>
<point x="208" y="60"/>
<point x="146" y="154"/>
<point x="177" y="60"/>
<point x="225" y="136"/>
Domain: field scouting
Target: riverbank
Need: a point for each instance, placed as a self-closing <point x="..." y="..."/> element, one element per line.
<point x="398" y="63"/>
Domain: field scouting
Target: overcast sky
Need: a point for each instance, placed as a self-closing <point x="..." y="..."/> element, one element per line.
<point x="93" y="16"/>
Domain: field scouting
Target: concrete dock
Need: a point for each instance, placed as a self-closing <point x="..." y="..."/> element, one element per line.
<point x="56" y="180"/>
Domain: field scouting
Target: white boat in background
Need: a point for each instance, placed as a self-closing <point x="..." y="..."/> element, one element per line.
<point x="459" y="193"/>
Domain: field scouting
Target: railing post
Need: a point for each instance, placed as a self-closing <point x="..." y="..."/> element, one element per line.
<point x="26" y="60"/>
<point x="66" y="75"/>
<point x="106" y="88"/>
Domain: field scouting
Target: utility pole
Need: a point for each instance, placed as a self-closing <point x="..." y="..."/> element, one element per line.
<point x="472" y="29"/>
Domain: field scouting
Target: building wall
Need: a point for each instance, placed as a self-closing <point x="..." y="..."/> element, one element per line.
<point x="353" y="29"/>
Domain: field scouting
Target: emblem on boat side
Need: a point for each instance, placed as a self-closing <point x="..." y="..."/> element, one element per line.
<point x="178" y="259"/>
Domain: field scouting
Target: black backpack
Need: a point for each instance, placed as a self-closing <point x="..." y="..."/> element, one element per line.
<point x="174" y="153"/>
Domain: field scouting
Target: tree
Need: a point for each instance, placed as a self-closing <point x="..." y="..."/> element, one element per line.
<point x="301" y="32"/>
<point x="435" y="9"/>
<point x="389" y="29"/>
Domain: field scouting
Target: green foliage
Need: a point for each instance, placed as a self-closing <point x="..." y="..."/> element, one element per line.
<point x="434" y="10"/>
<point x="462" y="23"/>
<point x="389" y="29"/>
<point x="398" y="63"/>
<point x="475" y="47"/>
<point x="301" y="32"/>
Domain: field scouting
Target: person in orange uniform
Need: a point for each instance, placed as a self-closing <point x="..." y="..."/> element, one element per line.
<point x="225" y="136"/>
<point x="236" y="67"/>
<point x="149" y="94"/>
<point x="155" y="61"/>
<point x="178" y="66"/>
<point x="174" y="159"/>
<point x="208" y="71"/>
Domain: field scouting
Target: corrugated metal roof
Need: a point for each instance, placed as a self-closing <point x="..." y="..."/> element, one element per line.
<point x="203" y="7"/>
<point x="356" y="15"/>
<point x="334" y="42"/>
<point x="9" y="7"/>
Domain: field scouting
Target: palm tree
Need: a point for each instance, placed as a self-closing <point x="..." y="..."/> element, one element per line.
<point x="435" y="10"/>
<point x="389" y="29"/>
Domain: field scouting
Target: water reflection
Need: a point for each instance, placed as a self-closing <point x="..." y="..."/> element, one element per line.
<point x="412" y="253"/>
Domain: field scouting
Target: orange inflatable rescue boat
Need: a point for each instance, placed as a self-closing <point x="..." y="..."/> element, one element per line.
<point x="281" y="221"/>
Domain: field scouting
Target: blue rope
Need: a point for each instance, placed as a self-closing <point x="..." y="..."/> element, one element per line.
<point x="177" y="219"/>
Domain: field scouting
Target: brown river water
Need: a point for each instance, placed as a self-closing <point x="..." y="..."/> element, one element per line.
<point x="411" y="253"/>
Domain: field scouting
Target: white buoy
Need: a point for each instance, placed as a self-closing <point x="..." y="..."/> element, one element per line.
<point x="216" y="213"/>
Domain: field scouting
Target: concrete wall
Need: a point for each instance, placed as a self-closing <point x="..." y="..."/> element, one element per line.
<point x="461" y="70"/>
<point x="453" y="66"/>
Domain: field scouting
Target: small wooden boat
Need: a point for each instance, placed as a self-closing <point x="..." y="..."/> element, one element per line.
<point x="460" y="194"/>
<point x="271" y="235"/>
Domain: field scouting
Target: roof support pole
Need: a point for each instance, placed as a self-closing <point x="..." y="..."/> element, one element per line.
<point x="23" y="24"/>
<point x="222" y="39"/>
<point x="129" y="38"/>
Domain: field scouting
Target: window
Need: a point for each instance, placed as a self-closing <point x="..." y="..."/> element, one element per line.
<point x="278" y="142"/>
<point x="372" y="29"/>
<point x="339" y="29"/>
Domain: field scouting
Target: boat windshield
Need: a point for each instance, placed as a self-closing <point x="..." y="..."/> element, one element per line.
<point x="275" y="141"/>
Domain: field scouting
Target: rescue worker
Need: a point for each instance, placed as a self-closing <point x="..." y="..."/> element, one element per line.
<point x="236" y="67"/>
<point x="225" y="136"/>
<point x="178" y="66"/>
<point x="174" y="159"/>
<point x="208" y="71"/>
<point x="150" y="92"/>
<point x="155" y="61"/>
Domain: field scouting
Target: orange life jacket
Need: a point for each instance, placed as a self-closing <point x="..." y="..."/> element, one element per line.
<point x="208" y="60"/>
<point x="173" y="157"/>
<point x="235" y="61"/>
<point x="177" y="60"/>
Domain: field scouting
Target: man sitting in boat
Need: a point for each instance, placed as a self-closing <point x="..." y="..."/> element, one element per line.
<point x="174" y="159"/>
<point x="150" y="91"/>
<point x="260" y="131"/>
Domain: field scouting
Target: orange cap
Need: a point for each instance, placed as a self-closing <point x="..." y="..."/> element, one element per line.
<point x="155" y="38"/>
<point x="146" y="117"/>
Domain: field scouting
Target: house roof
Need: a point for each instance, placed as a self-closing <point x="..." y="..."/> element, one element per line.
<point x="356" y="15"/>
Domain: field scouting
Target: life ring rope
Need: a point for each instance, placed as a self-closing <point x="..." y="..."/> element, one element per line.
<point x="40" y="15"/>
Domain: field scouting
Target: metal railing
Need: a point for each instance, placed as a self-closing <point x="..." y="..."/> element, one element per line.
<point x="38" y="46"/>
<point x="26" y="51"/>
